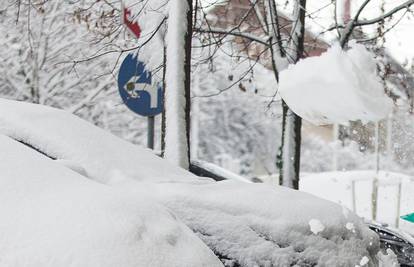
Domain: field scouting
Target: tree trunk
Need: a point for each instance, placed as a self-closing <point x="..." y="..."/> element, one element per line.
<point x="289" y="160"/>
<point x="187" y="68"/>
<point x="164" y="88"/>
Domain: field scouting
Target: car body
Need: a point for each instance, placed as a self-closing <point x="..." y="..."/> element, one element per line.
<point x="402" y="244"/>
<point x="244" y="224"/>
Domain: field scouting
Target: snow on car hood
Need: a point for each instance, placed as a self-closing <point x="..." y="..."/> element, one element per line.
<point x="51" y="216"/>
<point x="258" y="225"/>
<point x="245" y="224"/>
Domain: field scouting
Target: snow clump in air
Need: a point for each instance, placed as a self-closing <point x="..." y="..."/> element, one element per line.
<point x="337" y="87"/>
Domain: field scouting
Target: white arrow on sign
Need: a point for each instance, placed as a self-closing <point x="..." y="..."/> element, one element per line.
<point x="132" y="88"/>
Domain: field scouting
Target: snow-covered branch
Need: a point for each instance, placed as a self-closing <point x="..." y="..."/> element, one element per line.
<point x="233" y="32"/>
<point x="348" y="29"/>
<point x="405" y="5"/>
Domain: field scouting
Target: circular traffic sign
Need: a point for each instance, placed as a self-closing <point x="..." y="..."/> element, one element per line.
<point x="136" y="88"/>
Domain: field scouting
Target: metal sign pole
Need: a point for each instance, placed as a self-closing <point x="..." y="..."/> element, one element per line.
<point x="150" y="134"/>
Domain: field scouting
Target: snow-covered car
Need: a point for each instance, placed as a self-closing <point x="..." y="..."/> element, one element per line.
<point x="73" y="194"/>
<point x="52" y="216"/>
<point x="351" y="187"/>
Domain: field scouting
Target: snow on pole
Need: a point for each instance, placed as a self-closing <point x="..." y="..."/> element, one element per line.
<point x="353" y="196"/>
<point x="377" y="152"/>
<point x="195" y="119"/>
<point x="288" y="150"/>
<point x="397" y="219"/>
<point x="176" y="132"/>
<point x="335" y="137"/>
<point x="389" y="140"/>
<point x="374" y="195"/>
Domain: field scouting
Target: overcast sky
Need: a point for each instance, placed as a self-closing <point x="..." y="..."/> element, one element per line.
<point x="399" y="40"/>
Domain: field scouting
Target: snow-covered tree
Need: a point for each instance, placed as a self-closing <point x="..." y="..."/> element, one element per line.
<point x="65" y="54"/>
<point x="233" y="125"/>
<point x="38" y="45"/>
<point x="178" y="82"/>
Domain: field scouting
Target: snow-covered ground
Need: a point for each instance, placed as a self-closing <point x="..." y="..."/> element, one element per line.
<point x="353" y="189"/>
<point x="248" y="224"/>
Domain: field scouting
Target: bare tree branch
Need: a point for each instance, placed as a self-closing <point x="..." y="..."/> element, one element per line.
<point x="351" y="25"/>
<point x="406" y="5"/>
<point x="233" y="32"/>
<point x="355" y="22"/>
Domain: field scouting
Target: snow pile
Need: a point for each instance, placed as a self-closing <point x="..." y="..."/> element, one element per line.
<point x="336" y="87"/>
<point x="242" y="223"/>
<point x="51" y="216"/>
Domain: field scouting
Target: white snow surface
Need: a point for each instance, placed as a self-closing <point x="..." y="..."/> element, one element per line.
<point x="259" y="225"/>
<point x="248" y="224"/>
<point x="336" y="87"/>
<point x="51" y="216"/>
<point x="388" y="260"/>
<point x="103" y="156"/>
<point x="340" y="191"/>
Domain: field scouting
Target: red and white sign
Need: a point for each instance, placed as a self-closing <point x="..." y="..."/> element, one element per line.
<point x="128" y="21"/>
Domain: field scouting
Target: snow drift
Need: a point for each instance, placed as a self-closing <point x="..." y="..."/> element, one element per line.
<point x="51" y="216"/>
<point x="244" y="224"/>
<point x="336" y="87"/>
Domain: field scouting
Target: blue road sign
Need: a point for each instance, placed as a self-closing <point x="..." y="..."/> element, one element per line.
<point x="136" y="89"/>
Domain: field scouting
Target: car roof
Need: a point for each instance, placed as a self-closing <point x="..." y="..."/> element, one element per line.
<point x="105" y="157"/>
